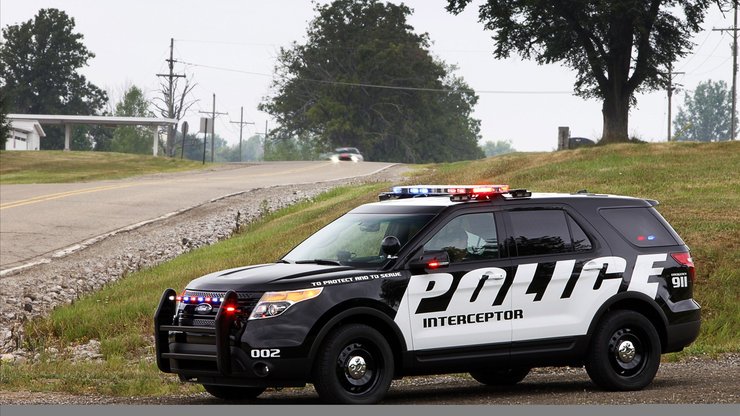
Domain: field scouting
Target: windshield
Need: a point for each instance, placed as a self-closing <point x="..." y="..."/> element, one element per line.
<point x="354" y="239"/>
<point x="346" y="150"/>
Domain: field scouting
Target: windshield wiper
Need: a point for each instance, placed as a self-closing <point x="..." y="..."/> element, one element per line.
<point x="322" y="262"/>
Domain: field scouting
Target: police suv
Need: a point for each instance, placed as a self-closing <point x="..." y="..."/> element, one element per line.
<point x="441" y="279"/>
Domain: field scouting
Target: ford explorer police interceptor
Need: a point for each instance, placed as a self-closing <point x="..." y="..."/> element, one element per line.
<point x="439" y="279"/>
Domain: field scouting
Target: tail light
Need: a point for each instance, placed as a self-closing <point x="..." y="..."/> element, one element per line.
<point x="685" y="259"/>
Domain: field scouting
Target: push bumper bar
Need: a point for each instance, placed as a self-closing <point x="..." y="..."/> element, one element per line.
<point x="164" y="324"/>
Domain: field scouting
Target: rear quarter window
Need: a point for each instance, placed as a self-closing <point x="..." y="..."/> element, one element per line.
<point x="640" y="226"/>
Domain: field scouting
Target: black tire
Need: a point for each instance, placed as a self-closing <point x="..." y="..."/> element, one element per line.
<point x="500" y="377"/>
<point x="636" y="365"/>
<point x="233" y="393"/>
<point x="348" y="345"/>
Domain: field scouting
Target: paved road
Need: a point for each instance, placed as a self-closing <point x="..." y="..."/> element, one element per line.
<point x="45" y="220"/>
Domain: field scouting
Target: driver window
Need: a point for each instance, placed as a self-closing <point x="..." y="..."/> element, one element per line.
<point x="467" y="238"/>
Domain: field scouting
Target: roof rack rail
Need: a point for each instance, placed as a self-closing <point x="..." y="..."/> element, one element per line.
<point x="520" y="193"/>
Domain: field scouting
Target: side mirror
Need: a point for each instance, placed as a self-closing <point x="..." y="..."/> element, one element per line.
<point x="390" y="245"/>
<point x="434" y="259"/>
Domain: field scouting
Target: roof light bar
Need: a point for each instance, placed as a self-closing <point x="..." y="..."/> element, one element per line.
<point x="455" y="192"/>
<point x="477" y="192"/>
<point x="415" y="191"/>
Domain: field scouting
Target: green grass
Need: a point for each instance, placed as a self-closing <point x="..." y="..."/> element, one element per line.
<point x="698" y="186"/>
<point x="61" y="167"/>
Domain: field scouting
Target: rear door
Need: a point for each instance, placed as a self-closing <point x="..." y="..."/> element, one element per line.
<point x="560" y="274"/>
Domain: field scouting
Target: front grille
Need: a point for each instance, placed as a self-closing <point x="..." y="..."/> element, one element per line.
<point x="187" y="317"/>
<point x="203" y="322"/>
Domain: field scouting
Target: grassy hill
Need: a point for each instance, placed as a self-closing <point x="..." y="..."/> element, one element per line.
<point x="698" y="186"/>
<point x="52" y="166"/>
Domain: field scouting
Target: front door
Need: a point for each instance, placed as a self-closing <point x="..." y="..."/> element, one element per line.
<point x="460" y="304"/>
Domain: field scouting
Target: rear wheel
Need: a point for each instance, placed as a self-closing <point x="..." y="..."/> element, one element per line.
<point x="500" y="377"/>
<point x="233" y="393"/>
<point x="354" y="366"/>
<point x="625" y="352"/>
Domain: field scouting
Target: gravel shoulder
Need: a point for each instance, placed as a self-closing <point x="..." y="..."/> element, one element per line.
<point x="696" y="380"/>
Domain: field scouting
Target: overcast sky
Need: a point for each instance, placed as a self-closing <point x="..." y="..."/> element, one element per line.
<point x="519" y="101"/>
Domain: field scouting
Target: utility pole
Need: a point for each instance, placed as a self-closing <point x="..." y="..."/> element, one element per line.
<point x="241" y="124"/>
<point x="171" y="98"/>
<point x="733" y="29"/>
<point x="205" y="137"/>
<point x="264" y="142"/>
<point x="670" y="94"/>
<point x="213" y="127"/>
<point x="733" y="125"/>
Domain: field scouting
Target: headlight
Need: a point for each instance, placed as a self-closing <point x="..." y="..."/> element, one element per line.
<point x="273" y="304"/>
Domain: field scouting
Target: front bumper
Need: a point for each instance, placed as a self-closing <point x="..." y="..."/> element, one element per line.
<point x="219" y="356"/>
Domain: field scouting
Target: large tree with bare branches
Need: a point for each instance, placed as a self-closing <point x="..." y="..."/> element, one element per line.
<point x="174" y="103"/>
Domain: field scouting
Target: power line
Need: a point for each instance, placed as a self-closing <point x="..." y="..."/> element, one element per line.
<point x="733" y="29"/>
<point x="350" y="48"/>
<point x="713" y="69"/>
<point x="696" y="52"/>
<point x="711" y="55"/>
<point x="390" y="87"/>
<point x="225" y="42"/>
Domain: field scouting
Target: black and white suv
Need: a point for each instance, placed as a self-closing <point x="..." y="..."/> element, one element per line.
<point x="440" y="279"/>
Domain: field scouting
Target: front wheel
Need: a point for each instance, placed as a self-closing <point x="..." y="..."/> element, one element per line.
<point x="233" y="393"/>
<point x="624" y="353"/>
<point x="354" y="366"/>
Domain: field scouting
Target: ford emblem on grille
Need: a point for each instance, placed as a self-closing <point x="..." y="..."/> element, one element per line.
<point x="203" y="309"/>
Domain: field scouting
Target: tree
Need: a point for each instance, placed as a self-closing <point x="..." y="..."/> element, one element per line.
<point x="103" y="137"/>
<point x="193" y="147"/>
<point x="290" y="148"/>
<point x="253" y="149"/>
<point x="500" y="147"/>
<point x="180" y="106"/>
<point x="132" y="139"/>
<point x="617" y="48"/>
<point x="4" y="123"/>
<point x="706" y="115"/>
<point x="39" y="64"/>
<point x="365" y="79"/>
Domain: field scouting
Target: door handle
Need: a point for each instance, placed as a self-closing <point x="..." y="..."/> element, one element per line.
<point x="494" y="275"/>
<point x="592" y="266"/>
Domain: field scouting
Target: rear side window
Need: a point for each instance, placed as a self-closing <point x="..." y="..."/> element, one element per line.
<point x="539" y="232"/>
<point x="640" y="226"/>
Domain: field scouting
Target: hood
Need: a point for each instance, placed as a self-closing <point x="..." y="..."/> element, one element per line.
<point x="264" y="277"/>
